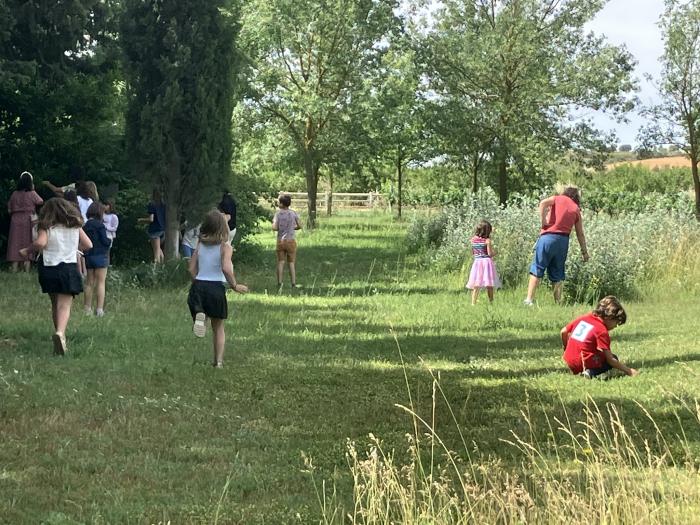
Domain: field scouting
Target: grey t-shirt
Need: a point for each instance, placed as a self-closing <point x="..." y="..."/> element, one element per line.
<point x="286" y="220"/>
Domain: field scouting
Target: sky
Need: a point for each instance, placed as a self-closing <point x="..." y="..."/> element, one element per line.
<point x="632" y="23"/>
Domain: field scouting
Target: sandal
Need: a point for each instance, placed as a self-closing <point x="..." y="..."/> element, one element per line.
<point x="59" y="343"/>
<point x="199" y="328"/>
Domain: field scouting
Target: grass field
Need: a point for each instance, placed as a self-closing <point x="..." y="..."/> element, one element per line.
<point x="134" y="425"/>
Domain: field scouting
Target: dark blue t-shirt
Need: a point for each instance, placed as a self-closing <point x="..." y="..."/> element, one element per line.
<point x="158" y="212"/>
<point x="96" y="231"/>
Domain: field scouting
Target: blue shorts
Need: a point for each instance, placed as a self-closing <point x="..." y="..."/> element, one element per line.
<point x="156" y="235"/>
<point x="551" y="250"/>
<point x="187" y="251"/>
<point x="93" y="262"/>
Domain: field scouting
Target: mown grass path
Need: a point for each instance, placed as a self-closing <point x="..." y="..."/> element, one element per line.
<point x="134" y="426"/>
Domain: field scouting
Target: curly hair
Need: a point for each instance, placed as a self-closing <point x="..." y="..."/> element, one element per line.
<point x="609" y="307"/>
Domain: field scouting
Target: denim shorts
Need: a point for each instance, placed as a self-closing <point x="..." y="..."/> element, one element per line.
<point x="156" y="235"/>
<point x="551" y="250"/>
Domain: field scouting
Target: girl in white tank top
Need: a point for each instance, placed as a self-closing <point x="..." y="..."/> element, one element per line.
<point x="211" y="268"/>
<point x="59" y="238"/>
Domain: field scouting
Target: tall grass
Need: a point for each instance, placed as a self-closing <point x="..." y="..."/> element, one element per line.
<point x="630" y="252"/>
<point x="598" y="469"/>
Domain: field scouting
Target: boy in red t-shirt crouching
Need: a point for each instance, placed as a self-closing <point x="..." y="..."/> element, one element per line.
<point x="587" y="342"/>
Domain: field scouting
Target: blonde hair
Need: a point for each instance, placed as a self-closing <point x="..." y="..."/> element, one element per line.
<point x="214" y="229"/>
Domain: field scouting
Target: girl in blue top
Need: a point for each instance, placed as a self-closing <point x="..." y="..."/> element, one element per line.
<point x="156" y="225"/>
<point x="97" y="258"/>
<point x="211" y="267"/>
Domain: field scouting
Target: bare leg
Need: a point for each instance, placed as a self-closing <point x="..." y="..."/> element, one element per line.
<point x="157" y="252"/>
<point x="531" y="287"/>
<point x="100" y="276"/>
<point x="63" y="304"/>
<point x="293" y="273"/>
<point x="475" y="295"/>
<point x="89" y="283"/>
<point x="489" y="292"/>
<point x="54" y="309"/>
<point x="280" y="271"/>
<point x="219" y="337"/>
<point x="27" y="265"/>
<point x="557" y="287"/>
<point x="15" y="266"/>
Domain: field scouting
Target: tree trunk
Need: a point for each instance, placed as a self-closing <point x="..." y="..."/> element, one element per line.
<point x="696" y="184"/>
<point x="329" y="202"/>
<point x="311" y="174"/>
<point x="475" y="174"/>
<point x="503" y="177"/>
<point x="399" y="173"/>
<point x="172" y="192"/>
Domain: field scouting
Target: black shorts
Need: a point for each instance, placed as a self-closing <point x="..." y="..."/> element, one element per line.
<point x="60" y="279"/>
<point x="208" y="297"/>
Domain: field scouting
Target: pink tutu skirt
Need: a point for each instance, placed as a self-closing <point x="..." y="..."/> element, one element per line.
<point x="483" y="274"/>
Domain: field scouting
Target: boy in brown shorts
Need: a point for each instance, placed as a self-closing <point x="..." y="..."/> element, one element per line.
<point x="285" y="223"/>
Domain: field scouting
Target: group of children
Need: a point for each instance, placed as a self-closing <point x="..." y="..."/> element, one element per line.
<point x="586" y="339"/>
<point x="65" y="230"/>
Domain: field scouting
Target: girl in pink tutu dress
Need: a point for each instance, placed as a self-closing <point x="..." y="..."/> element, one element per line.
<point x="483" y="273"/>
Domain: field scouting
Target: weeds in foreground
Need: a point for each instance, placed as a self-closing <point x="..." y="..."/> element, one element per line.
<point x="599" y="469"/>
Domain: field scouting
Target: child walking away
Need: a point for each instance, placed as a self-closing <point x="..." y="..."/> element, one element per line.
<point x="211" y="267"/>
<point x="111" y="222"/>
<point x="483" y="273"/>
<point x="189" y="240"/>
<point x="96" y="259"/>
<point x="59" y="239"/>
<point x="285" y="223"/>
<point x="586" y="340"/>
<point x="156" y="225"/>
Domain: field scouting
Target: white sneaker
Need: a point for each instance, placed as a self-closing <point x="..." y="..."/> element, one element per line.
<point x="199" y="328"/>
<point x="528" y="302"/>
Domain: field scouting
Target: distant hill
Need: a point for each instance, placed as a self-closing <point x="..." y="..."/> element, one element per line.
<point x="679" y="161"/>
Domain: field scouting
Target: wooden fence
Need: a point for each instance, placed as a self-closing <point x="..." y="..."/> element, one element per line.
<point x="328" y="201"/>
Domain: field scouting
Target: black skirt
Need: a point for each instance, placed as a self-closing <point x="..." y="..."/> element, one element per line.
<point x="208" y="297"/>
<point x="60" y="279"/>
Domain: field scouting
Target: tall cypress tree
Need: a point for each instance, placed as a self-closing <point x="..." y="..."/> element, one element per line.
<point x="180" y="64"/>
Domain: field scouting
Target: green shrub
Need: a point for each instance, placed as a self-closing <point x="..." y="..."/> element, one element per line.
<point x="627" y="250"/>
<point x="170" y="274"/>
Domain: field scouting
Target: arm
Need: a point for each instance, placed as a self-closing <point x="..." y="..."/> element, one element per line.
<point x="227" y="269"/>
<point x="104" y="240"/>
<point x="38" y="245"/>
<point x="489" y="248"/>
<point x="275" y="226"/>
<point x="581" y="239"/>
<point x="84" y="242"/>
<point x="193" y="267"/>
<point x="147" y="220"/>
<point x="545" y="204"/>
<point x="564" y="336"/>
<point x="55" y="189"/>
<point x="615" y="363"/>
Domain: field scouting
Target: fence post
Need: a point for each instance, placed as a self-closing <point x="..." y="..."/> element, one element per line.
<point x="370" y="202"/>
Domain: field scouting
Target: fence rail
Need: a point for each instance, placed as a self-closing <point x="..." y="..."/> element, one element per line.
<point x="330" y="200"/>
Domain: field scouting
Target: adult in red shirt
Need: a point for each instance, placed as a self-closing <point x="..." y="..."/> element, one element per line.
<point x="586" y="340"/>
<point x="559" y="215"/>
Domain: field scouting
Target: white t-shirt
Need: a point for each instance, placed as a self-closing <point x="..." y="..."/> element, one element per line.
<point x="84" y="204"/>
<point x="62" y="246"/>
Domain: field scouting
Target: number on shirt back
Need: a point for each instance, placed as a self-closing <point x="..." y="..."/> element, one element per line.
<point x="581" y="331"/>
